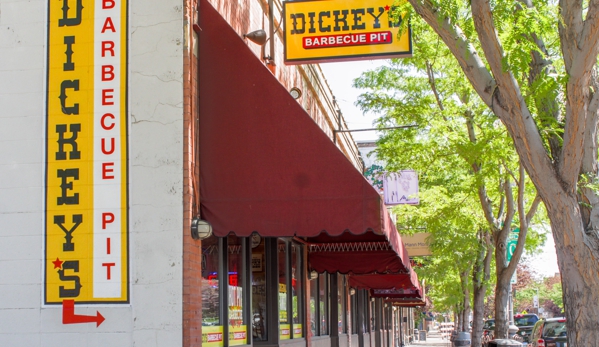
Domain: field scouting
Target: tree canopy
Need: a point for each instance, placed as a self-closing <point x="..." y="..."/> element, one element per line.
<point x="533" y="64"/>
<point x="464" y="157"/>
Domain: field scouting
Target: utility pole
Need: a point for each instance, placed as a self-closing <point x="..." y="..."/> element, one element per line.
<point x="535" y="301"/>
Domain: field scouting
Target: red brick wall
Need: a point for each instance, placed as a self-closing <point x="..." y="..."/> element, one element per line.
<point x="244" y="16"/>
<point x="192" y="295"/>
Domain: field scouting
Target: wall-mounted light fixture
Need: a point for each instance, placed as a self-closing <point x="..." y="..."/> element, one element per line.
<point x="257" y="36"/>
<point x="261" y="36"/>
<point x="295" y="92"/>
<point x="372" y="299"/>
<point x="313" y="275"/>
<point x="200" y="229"/>
<point x="352" y="291"/>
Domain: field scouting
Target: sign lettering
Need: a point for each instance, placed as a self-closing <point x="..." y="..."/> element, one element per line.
<point x="86" y="174"/>
<point x="335" y="30"/>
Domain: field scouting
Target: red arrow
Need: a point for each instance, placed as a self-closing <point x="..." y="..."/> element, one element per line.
<point x="69" y="316"/>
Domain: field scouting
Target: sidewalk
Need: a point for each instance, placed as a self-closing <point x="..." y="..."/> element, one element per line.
<point x="433" y="339"/>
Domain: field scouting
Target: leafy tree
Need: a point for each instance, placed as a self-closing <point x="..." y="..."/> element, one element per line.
<point x="525" y="288"/>
<point x="447" y="274"/>
<point x="548" y="290"/>
<point x="526" y="277"/>
<point x="534" y="65"/>
<point x="464" y="157"/>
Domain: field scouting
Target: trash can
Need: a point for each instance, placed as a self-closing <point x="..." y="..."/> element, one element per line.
<point x="422" y="336"/>
<point x="505" y="343"/>
<point x="452" y="337"/>
<point x="461" y="339"/>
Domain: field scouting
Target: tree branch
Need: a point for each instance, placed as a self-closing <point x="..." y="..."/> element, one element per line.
<point x="568" y="27"/>
<point x="523" y="223"/>
<point x="580" y="43"/>
<point x="431" y="80"/>
<point x="589" y="160"/>
<point x="510" y="107"/>
<point x="464" y="52"/>
<point x="582" y="50"/>
<point x="533" y="208"/>
<point x="504" y="98"/>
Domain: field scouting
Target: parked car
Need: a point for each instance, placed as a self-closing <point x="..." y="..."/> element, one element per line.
<point x="550" y="332"/>
<point x="525" y="323"/>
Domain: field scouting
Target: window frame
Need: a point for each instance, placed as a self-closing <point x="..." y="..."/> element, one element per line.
<point x="317" y="304"/>
<point x="223" y="280"/>
<point x="300" y="274"/>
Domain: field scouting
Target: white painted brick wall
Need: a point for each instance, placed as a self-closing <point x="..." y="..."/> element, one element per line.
<point x="154" y="317"/>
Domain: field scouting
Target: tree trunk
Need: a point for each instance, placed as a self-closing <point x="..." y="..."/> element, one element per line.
<point x="481" y="273"/>
<point x="466" y="325"/>
<point x="478" y="313"/>
<point x="457" y="317"/>
<point x="577" y="244"/>
<point x="578" y="260"/>
<point x="501" y="310"/>
<point x="464" y="276"/>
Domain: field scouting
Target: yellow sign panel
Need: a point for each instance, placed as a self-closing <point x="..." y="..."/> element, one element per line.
<point x="417" y="244"/>
<point x="86" y="250"/>
<point x="297" y="331"/>
<point x="237" y="335"/>
<point x="285" y="332"/>
<point x="336" y="30"/>
<point x="212" y="336"/>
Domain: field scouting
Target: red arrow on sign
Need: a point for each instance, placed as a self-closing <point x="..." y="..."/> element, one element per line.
<point x="69" y="316"/>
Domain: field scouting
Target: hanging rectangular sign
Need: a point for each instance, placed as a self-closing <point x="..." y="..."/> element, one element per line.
<point x="338" y="30"/>
<point x="401" y="188"/>
<point x="86" y="221"/>
<point x="417" y="244"/>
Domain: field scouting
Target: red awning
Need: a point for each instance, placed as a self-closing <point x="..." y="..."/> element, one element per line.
<point x="360" y="254"/>
<point x="409" y="302"/>
<point x="267" y="167"/>
<point x="399" y="286"/>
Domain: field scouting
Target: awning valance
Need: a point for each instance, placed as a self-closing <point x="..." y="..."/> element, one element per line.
<point x="368" y="253"/>
<point x="267" y="167"/>
<point x="399" y="286"/>
<point x="407" y="302"/>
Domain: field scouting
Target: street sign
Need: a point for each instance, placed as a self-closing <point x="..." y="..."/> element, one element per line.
<point x="512" y="241"/>
<point x="535" y="301"/>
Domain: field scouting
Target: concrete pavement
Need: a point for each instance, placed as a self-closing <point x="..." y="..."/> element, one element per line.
<point x="433" y="339"/>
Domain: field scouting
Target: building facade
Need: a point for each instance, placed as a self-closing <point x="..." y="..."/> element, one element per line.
<point x="126" y="123"/>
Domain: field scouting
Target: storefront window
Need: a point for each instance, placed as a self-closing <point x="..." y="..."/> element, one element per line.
<point x="353" y="300"/>
<point x="313" y="304"/>
<point x="323" y="301"/>
<point x="297" y="292"/>
<point x="372" y="315"/>
<point x="259" y="307"/>
<point x="212" y="327"/>
<point x="284" y="326"/>
<point x="237" y="325"/>
<point x="341" y="304"/>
